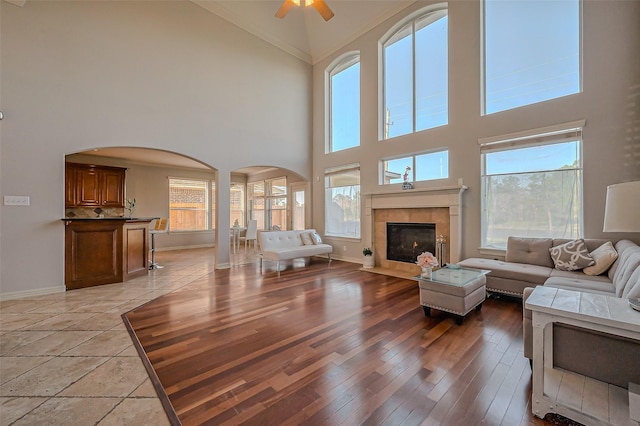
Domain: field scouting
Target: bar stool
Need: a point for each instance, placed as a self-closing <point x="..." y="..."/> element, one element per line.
<point x="161" y="227"/>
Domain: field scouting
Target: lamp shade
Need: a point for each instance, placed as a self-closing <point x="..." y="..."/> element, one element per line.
<point x="622" y="211"/>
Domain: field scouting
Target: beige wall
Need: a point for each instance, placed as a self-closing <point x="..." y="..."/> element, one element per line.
<point x="168" y="75"/>
<point x="609" y="103"/>
<point x="153" y="74"/>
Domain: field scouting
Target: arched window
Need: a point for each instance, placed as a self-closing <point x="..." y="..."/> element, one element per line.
<point x="415" y="73"/>
<point x="343" y="78"/>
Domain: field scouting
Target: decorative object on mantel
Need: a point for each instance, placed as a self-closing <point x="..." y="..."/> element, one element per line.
<point x="441" y="249"/>
<point x="367" y="255"/>
<point x="406" y="184"/>
<point x="426" y="261"/>
<point x="130" y="206"/>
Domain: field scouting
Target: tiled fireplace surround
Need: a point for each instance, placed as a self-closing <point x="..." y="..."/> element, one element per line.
<point x="442" y="206"/>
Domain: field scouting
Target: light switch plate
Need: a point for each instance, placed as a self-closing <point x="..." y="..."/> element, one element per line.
<point x="17" y="200"/>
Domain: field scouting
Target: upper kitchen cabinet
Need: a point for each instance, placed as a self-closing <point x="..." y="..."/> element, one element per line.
<point x="94" y="186"/>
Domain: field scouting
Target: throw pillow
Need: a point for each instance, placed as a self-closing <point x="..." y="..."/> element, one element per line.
<point x="571" y="256"/>
<point x="604" y="256"/>
<point x="316" y="238"/>
<point x="307" y="238"/>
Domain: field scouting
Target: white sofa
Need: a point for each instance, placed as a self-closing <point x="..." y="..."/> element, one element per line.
<point x="286" y="245"/>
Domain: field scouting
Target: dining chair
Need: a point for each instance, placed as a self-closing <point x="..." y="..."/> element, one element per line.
<point x="251" y="234"/>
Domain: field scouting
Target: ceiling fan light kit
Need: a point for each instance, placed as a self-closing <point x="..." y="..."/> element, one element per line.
<point x="319" y="5"/>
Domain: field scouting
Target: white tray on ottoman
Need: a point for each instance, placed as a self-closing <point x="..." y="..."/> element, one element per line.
<point x="457" y="291"/>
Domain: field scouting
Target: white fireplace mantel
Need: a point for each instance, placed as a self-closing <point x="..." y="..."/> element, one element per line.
<point x="447" y="196"/>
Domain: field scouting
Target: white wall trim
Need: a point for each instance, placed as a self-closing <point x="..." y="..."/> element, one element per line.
<point x="30" y="293"/>
<point x="185" y="247"/>
<point x="547" y="130"/>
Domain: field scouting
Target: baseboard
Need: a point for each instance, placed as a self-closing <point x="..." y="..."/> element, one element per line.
<point x="185" y="247"/>
<point x="30" y="293"/>
<point x="345" y="259"/>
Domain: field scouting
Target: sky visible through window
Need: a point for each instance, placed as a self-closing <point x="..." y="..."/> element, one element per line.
<point x="345" y="108"/>
<point x="532" y="52"/>
<point x="533" y="159"/>
<point x="430" y="166"/>
<point x="431" y="56"/>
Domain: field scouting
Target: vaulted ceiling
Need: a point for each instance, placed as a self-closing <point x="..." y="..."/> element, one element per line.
<point x="303" y="32"/>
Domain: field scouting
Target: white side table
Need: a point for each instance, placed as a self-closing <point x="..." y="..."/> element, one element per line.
<point x="577" y="397"/>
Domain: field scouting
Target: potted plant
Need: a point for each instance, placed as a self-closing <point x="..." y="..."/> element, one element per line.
<point x="367" y="254"/>
<point x="130" y="206"/>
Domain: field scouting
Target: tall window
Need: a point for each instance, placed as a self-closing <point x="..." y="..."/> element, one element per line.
<point x="428" y="166"/>
<point x="342" y="202"/>
<point x="531" y="52"/>
<point x="344" y="101"/>
<point x="256" y="202"/>
<point x="237" y="203"/>
<point x="415" y="59"/>
<point x="532" y="186"/>
<point x="268" y="203"/>
<point x="188" y="205"/>
<point x="213" y="204"/>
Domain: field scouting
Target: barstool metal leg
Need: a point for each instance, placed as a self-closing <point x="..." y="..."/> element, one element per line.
<point x="153" y="264"/>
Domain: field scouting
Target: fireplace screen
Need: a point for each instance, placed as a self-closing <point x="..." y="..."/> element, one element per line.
<point x="405" y="241"/>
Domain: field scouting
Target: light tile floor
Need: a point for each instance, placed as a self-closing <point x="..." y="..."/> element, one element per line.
<point x="67" y="358"/>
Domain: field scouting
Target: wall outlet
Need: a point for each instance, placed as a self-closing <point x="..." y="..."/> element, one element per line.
<point x="344" y="248"/>
<point x="17" y="200"/>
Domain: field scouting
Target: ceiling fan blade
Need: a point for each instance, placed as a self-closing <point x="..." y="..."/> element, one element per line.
<point x="323" y="9"/>
<point x="284" y="9"/>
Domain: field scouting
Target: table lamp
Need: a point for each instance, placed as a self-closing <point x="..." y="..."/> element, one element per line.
<point x="622" y="209"/>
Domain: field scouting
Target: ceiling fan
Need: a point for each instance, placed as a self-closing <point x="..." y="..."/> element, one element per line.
<point x="319" y="5"/>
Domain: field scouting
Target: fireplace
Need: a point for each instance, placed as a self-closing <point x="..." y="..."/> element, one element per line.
<point x="405" y="241"/>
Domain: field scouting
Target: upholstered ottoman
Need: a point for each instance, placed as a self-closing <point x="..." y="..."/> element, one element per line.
<point x="457" y="291"/>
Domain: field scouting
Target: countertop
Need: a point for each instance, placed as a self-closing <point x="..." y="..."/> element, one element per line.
<point x="126" y="219"/>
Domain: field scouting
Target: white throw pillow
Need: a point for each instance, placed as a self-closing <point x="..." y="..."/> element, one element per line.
<point x="571" y="256"/>
<point x="604" y="256"/>
<point x="307" y="238"/>
<point x="316" y="238"/>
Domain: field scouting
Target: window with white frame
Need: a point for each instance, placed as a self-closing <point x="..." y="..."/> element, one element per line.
<point x="268" y="202"/>
<point x="344" y="103"/>
<point x="415" y="168"/>
<point x="342" y="202"/>
<point x="236" y="204"/>
<point x="188" y="205"/>
<point x="415" y="61"/>
<point x="213" y="204"/>
<point x="532" y="185"/>
<point x="531" y="52"/>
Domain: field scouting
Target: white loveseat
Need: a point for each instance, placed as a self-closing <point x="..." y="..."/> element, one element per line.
<point x="286" y="245"/>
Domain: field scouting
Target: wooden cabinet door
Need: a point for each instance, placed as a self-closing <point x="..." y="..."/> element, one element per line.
<point x="70" y="186"/>
<point x="112" y="188"/>
<point x="87" y="186"/>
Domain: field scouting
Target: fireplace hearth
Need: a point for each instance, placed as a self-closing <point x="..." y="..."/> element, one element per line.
<point x="405" y="241"/>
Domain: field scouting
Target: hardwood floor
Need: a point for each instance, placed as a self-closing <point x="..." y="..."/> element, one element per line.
<point x="330" y="345"/>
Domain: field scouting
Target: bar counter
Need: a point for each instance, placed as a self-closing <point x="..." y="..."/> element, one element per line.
<point x="105" y="250"/>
